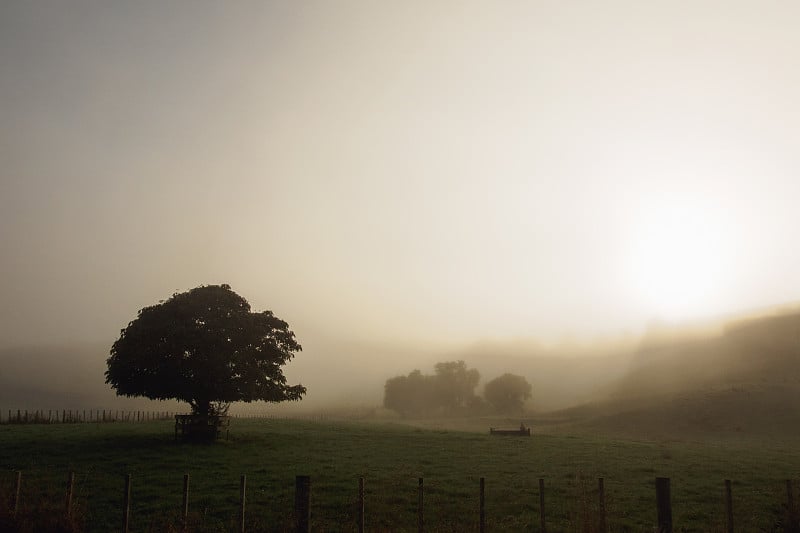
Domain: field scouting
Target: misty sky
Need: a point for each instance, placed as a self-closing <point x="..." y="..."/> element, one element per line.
<point x="424" y="171"/>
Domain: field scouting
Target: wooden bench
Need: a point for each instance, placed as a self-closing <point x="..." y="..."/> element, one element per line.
<point x="520" y="432"/>
<point x="201" y="426"/>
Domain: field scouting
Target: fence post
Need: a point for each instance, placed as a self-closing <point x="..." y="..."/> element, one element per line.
<point x="541" y="505"/>
<point x="17" y="490"/>
<point x="185" y="510"/>
<point x="70" y="488"/>
<point x="482" y="505"/>
<point x="601" y="496"/>
<point x="729" y="505"/>
<point x="126" y="505"/>
<point x="361" y="505"/>
<point x="420" y="502"/>
<point x="663" y="505"/>
<point x="242" y="498"/>
<point x="302" y="504"/>
<point x="791" y="516"/>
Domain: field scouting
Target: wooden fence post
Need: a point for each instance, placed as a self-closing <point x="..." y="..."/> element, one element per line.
<point x="70" y="488"/>
<point x="242" y="499"/>
<point x="126" y="505"/>
<point x="17" y="490"/>
<point x="302" y="503"/>
<point x="361" y="505"/>
<point x="482" y="506"/>
<point x="729" y="505"/>
<point x="791" y="515"/>
<point x="601" y="501"/>
<point x="541" y="505"/>
<point x="664" y="505"/>
<point x="420" y="502"/>
<point x="185" y="510"/>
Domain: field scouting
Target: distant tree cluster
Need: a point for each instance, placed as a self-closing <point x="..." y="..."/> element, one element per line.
<point x="451" y="390"/>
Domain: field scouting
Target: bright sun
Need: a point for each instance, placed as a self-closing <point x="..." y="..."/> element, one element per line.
<point x="680" y="261"/>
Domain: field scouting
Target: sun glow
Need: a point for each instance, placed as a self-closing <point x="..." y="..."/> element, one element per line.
<point x="681" y="260"/>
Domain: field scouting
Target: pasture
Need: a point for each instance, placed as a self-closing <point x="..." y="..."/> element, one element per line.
<point x="391" y="458"/>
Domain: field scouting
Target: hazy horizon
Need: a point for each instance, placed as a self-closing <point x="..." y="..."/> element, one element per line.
<point x="410" y="175"/>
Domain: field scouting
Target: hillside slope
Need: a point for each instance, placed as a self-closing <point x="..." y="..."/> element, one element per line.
<point x="745" y="381"/>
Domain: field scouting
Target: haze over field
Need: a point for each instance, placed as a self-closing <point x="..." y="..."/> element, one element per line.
<point x="401" y="182"/>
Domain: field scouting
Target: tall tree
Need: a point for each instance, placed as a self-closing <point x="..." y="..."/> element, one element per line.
<point x="455" y="384"/>
<point x="207" y="348"/>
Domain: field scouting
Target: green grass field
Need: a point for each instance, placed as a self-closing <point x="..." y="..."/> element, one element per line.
<point x="391" y="458"/>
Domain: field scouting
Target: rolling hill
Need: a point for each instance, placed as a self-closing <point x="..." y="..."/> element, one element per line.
<point x="744" y="381"/>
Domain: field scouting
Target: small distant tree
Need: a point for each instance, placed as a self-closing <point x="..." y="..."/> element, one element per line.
<point x="409" y="395"/>
<point x="207" y="348"/>
<point x="507" y="393"/>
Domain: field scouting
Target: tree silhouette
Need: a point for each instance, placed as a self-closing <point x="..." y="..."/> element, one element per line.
<point x="455" y="384"/>
<point x="450" y="390"/>
<point x="409" y="395"/>
<point x="207" y="348"/>
<point x="507" y="393"/>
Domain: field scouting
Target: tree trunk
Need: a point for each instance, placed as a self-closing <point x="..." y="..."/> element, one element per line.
<point x="201" y="407"/>
<point x="203" y="423"/>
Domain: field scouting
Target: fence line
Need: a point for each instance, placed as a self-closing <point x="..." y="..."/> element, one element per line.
<point x="74" y="416"/>
<point x="302" y="504"/>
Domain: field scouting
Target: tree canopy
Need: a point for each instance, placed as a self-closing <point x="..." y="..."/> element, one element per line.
<point x="408" y="395"/>
<point x="204" y="346"/>
<point x="507" y="393"/>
